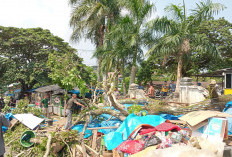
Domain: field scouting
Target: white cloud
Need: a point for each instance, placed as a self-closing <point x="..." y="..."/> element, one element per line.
<point x="48" y="14"/>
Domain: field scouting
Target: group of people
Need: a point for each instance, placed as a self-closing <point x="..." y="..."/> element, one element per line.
<point x="165" y="89"/>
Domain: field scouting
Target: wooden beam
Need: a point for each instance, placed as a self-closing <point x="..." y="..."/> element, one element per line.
<point x="178" y="122"/>
<point x="94" y="151"/>
<point x="94" y="143"/>
<point x="98" y="128"/>
<point x="80" y="149"/>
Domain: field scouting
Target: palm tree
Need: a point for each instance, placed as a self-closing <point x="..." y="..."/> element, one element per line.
<point x="89" y="18"/>
<point x="178" y="36"/>
<point x="115" y="54"/>
<point x="131" y="27"/>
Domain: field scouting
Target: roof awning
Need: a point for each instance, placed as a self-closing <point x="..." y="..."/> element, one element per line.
<point x="217" y="73"/>
<point x="48" y="89"/>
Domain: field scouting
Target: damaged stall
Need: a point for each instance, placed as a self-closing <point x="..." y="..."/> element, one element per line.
<point x="56" y="96"/>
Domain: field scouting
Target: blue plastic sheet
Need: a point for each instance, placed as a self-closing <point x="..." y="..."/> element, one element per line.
<point x="228" y="105"/>
<point x="9" y="116"/>
<point x="113" y="139"/>
<point x="109" y="124"/>
<point x="80" y="127"/>
<point x="228" y="109"/>
<point x="170" y="117"/>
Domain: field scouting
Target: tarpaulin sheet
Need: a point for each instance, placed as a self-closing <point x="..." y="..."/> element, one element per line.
<point x="170" y="117"/>
<point x="228" y="105"/>
<point x="80" y="127"/>
<point x="113" y="139"/>
<point x="109" y="124"/>
<point x="97" y="123"/>
<point x="228" y="109"/>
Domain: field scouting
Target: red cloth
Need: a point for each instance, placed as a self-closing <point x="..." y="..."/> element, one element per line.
<point x="131" y="146"/>
<point x="167" y="127"/>
<point x="146" y="131"/>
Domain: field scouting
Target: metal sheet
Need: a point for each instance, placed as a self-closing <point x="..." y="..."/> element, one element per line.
<point x="29" y="120"/>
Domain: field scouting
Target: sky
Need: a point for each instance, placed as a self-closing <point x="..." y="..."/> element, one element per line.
<point x="55" y="14"/>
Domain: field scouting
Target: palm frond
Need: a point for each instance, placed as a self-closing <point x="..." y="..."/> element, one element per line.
<point x="162" y="25"/>
<point x="205" y="11"/>
<point x="176" y="11"/>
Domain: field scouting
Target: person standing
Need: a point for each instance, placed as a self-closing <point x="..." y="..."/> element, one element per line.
<point x="6" y="123"/>
<point x="164" y="89"/>
<point x="68" y="110"/>
<point x="45" y="105"/>
<point x="172" y="86"/>
<point x="151" y="91"/>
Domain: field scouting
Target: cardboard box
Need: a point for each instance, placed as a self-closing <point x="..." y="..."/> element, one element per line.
<point x="216" y="129"/>
<point x="196" y="117"/>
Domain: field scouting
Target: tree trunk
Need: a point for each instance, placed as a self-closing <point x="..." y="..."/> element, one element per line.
<point x="184" y="49"/>
<point x="99" y="70"/>
<point x="133" y="69"/>
<point x="123" y="78"/>
<point x="179" y="73"/>
<point x="24" y="88"/>
<point x="133" y="73"/>
<point x="101" y="41"/>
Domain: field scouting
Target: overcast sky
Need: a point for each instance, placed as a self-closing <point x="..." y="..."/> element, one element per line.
<point x="55" y="14"/>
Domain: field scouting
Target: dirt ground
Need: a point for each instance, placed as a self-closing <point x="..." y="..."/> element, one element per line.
<point x="58" y="125"/>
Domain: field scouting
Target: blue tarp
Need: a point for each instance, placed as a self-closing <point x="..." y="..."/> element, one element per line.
<point x="31" y="90"/>
<point x="113" y="139"/>
<point x="228" y="109"/>
<point x="170" y="117"/>
<point x="80" y="127"/>
<point x="17" y="90"/>
<point x="99" y="123"/>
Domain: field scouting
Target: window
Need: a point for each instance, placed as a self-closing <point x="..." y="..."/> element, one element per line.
<point x="228" y="80"/>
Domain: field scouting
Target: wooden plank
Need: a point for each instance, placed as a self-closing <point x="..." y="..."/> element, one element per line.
<point x="94" y="143"/>
<point x="13" y="123"/>
<point x="80" y="149"/>
<point x="178" y="122"/>
<point x="98" y="128"/>
<point x="94" y="151"/>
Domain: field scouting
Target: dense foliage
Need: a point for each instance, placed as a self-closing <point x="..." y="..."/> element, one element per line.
<point x="68" y="72"/>
<point x="24" y="53"/>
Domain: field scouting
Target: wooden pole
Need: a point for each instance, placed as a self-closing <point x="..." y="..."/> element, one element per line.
<point x="48" y="145"/>
<point x="82" y="136"/>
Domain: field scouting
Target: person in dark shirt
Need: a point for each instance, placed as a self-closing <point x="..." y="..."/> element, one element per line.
<point x="68" y="110"/>
<point x="6" y="123"/>
<point x="172" y="86"/>
<point x="45" y="105"/>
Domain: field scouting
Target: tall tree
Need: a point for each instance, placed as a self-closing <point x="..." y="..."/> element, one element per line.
<point x="91" y="19"/>
<point x="139" y="11"/>
<point x="219" y="32"/>
<point x="177" y="36"/>
<point x="24" y="53"/>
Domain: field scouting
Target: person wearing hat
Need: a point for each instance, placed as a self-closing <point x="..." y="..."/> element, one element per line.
<point x="213" y="91"/>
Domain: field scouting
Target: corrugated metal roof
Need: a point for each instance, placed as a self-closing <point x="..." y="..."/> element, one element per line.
<point x="48" y="88"/>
